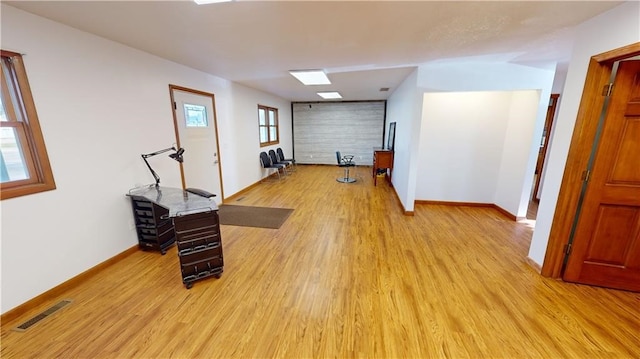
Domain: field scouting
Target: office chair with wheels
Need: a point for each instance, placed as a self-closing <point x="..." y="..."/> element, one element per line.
<point x="345" y="162"/>
<point x="266" y="163"/>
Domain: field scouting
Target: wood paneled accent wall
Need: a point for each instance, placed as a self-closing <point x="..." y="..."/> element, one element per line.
<point x="321" y="129"/>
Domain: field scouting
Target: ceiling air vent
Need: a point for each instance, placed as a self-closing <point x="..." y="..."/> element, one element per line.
<point x="384" y="89"/>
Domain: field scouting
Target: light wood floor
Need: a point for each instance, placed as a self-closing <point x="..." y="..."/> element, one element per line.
<point x="532" y="210"/>
<point x="347" y="275"/>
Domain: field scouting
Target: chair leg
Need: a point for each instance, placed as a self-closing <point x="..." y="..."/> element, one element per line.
<point x="270" y="174"/>
<point x="346" y="178"/>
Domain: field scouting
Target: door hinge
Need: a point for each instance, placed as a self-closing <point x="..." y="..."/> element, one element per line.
<point x="606" y="90"/>
<point x="175" y="107"/>
<point x="585" y="175"/>
<point x="567" y="249"/>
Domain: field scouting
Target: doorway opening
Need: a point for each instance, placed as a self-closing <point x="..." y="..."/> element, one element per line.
<point x="538" y="176"/>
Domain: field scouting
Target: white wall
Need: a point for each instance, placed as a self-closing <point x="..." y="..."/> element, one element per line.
<point x="241" y="147"/>
<point x="559" y="78"/>
<point x="523" y="134"/>
<point x="475" y="146"/>
<point x="613" y="29"/>
<point x="520" y="151"/>
<point x="462" y="135"/>
<point x="411" y="173"/>
<point x="101" y="105"/>
<point x="404" y="107"/>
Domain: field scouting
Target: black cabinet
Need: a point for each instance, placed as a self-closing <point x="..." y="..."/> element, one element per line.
<point x="188" y="218"/>
<point x="199" y="246"/>
<point x="153" y="225"/>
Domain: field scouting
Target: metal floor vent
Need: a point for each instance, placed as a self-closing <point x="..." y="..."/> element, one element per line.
<point x="24" y="326"/>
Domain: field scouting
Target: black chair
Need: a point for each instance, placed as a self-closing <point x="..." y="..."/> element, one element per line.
<point x="274" y="160"/>
<point x="291" y="161"/>
<point x="345" y="162"/>
<point x="267" y="164"/>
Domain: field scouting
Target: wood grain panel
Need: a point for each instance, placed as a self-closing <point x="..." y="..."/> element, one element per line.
<point x="321" y="129"/>
<point x="347" y="275"/>
<point x="618" y="224"/>
<point x="627" y="161"/>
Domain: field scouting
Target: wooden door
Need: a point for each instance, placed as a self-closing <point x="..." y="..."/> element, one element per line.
<point x="544" y="143"/>
<point x="606" y="244"/>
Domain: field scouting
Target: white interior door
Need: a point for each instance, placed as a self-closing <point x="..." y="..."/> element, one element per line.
<point x="196" y="125"/>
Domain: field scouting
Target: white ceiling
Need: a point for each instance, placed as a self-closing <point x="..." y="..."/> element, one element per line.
<point x="362" y="45"/>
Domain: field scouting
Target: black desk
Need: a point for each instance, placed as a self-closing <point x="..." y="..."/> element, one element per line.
<point x="165" y="215"/>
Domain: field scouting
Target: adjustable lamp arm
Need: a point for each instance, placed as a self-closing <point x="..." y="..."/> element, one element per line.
<point x="158" y="152"/>
<point x="155" y="175"/>
<point x="176" y="156"/>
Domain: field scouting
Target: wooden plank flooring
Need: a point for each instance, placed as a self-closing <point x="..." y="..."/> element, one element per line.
<point x="347" y="275"/>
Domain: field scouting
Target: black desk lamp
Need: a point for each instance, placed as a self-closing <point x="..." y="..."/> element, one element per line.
<point x="176" y="156"/>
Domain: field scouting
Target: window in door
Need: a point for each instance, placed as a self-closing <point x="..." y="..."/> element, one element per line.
<point x="195" y="115"/>
<point x="24" y="164"/>
<point x="268" y="124"/>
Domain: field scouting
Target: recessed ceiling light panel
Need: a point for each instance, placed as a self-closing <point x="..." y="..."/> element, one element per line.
<point x="330" y="95"/>
<point x="311" y="77"/>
